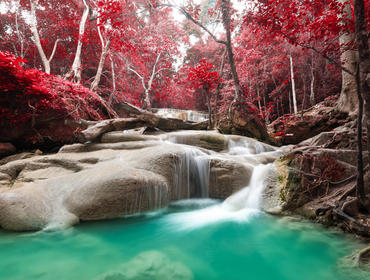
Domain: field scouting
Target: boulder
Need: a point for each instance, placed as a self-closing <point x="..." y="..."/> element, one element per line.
<point x="317" y="179"/>
<point x="227" y="177"/>
<point x="322" y="117"/>
<point x="246" y="125"/>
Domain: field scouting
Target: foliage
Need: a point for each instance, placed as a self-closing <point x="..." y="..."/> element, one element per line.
<point x="29" y="97"/>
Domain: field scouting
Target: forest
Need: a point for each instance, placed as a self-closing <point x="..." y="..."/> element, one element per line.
<point x="286" y="81"/>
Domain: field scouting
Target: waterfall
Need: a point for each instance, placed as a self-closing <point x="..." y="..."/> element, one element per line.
<point x="250" y="196"/>
<point x="240" y="206"/>
<point x="186" y="115"/>
<point x="191" y="175"/>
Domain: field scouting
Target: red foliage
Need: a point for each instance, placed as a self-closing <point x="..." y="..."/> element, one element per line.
<point x="30" y="97"/>
<point x="202" y="76"/>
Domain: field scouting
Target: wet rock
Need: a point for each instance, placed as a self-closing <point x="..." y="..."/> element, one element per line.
<point x="95" y="181"/>
<point x="150" y="265"/>
<point x="210" y="140"/>
<point x="227" y="177"/>
<point x="364" y="257"/>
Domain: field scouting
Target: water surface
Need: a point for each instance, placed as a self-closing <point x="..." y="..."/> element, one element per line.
<point x="181" y="242"/>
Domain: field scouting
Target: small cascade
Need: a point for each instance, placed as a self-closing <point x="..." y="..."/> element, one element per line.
<point x="250" y="196"/>
<point x="245" y="147"/>
<point x="186" y="115"/>
<point x="191" y="175"/>
<point x="241" y="205"/>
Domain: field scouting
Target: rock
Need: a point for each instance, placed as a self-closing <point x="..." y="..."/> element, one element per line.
<point x="364" y="257"/>
<point x="150" y="265"/>
<point x="96" y="181"/>
<point x="210" y="140"/>
<point x="271" y="200"/>
<point x="7" y="149"/>
<point x="227" y="177"/>
<point x="322" y="117"/>
<point x="317" y="179"/>
<point x="119" y="136"/>
<point x="246" y="125"/>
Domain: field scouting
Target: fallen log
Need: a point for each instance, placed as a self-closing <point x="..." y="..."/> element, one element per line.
<point x="93" y="132"/>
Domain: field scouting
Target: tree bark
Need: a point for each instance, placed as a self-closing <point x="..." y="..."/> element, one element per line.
<point x="147" y="88"/>
<point x="111" y="96"/>
<point x="220" y="73"/>
<point x="104" y="52"/>
<point x="348" y="101"/>
<point x="33" y="26"/>
<point x="76" y="70"/>
<point x="312" y="95"/>
<point x="293" y="86"/>
<point x="364" y="64"/>
<point x="226" y="21"/>
<point x="363" y="92"/>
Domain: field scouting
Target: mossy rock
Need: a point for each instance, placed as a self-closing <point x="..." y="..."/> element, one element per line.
<point x="290" y="183"/>
<point x="213" y="142"/>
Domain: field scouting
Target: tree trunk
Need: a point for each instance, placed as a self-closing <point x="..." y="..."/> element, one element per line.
<point x="104" y="51"/>
<point x="33" y="26"/>
<point x="147" y="103"/>
<point x="76" y="70"/>
<point x="348" y="101"/>
<point x="363" y="91"/>
<point x="111" y="96"/>
<point x="209" y="109"/>
<point x="220" y="73"/>
<point x="312" y="95"/>
<point x="226" y="21"/>
<point x="95" y="83"/>
<point x="293" y="85"/>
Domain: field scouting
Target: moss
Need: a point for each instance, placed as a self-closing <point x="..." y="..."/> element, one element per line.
<point x="280" y="179"/>
<point x="212" y="139"/>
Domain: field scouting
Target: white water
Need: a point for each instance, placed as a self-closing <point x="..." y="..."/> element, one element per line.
<point x="191" y="176"/>
<point x="186" y="115"/>
<point x="240" y="206"/>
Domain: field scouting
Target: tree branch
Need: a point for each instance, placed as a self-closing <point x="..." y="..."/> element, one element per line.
<point x="189" y="17"/>
<point x="332" y="61"/>
<point x="54" y="50"/>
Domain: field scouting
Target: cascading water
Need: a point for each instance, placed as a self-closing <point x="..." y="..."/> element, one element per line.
<point x="250" y="196"/>
<point x="186" y="115"/>
<point x="241" y="205"/>
<point x="191" y="175"/>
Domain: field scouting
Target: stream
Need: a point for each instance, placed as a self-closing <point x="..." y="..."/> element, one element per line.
<point x="195" y="238"/>
<point x="190" y="239"/>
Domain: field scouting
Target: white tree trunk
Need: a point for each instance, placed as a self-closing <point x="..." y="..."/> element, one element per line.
<point x="35" y="33"/>
<point x="76" y="70"/>
<point x="104" y="52"/>
<point x="312" y="94"/>
<point x="293" y="85"/>
<point x="148" y="87"/>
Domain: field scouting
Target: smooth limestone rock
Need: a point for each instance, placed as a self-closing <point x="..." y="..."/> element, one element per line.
<point x="107" y="180"/>
<point x="227" y="176"/>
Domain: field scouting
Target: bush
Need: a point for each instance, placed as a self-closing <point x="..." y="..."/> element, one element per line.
<point x="35" y="105"/>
